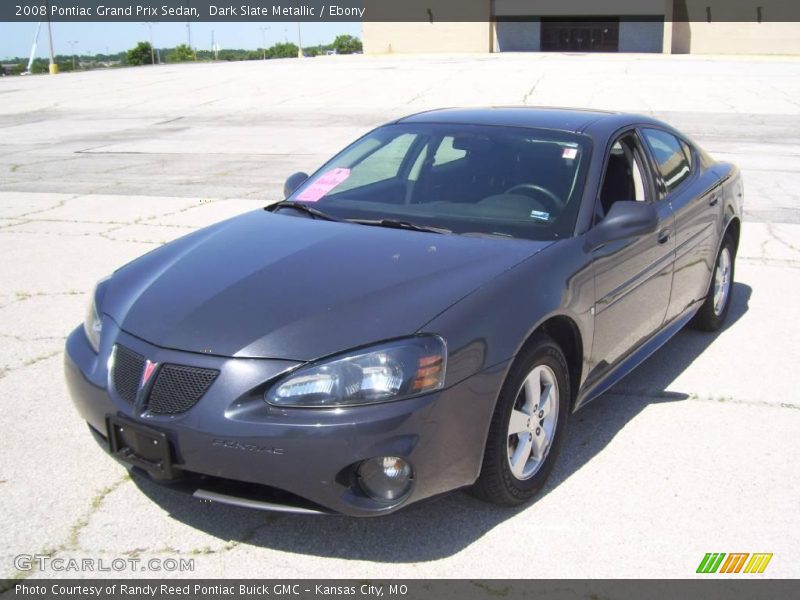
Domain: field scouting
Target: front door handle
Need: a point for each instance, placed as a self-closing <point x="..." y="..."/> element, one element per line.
<point x="664" y="235"/>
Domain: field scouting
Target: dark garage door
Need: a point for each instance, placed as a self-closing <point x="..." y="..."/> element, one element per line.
<point x="584" y="35"/>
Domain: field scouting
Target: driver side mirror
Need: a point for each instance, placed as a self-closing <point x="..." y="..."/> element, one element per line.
<point x="294" y="181"/>
<point x="625" y="219"/>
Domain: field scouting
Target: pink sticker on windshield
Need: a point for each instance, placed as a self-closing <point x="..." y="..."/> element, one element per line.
<point x="570" y="153"/>
<point x="323" y="185"/>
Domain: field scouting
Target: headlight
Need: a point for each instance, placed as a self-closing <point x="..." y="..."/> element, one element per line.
<point x="93" y="323"/>
<point x="390" y="371"/>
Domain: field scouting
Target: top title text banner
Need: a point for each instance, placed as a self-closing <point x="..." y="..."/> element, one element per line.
<point x="430" y="11"/>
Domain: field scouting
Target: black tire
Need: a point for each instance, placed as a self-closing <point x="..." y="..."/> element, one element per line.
<point x="708" y="319"/>
<point x="497" y="483"/>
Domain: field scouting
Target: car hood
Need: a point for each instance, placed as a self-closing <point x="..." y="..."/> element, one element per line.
<point x="278" y="286"/>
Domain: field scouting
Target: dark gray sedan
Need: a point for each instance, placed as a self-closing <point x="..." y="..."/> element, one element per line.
<point x="422" y="314"/>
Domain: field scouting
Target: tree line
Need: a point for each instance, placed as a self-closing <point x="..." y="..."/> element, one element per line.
<point x="144" y="54"/>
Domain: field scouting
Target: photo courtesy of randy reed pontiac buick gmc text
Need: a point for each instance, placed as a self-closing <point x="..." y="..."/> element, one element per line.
<point x="197" y="590"/>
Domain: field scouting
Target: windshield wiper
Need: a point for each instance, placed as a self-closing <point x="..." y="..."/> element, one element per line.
<point x="397" y="224"/>
<point x="302" y="207"/>
<point x="390" y="223"/>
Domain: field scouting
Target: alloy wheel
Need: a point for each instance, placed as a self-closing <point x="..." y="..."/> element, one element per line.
<point x="533" y="422"/>
<point x="722" y="281"/>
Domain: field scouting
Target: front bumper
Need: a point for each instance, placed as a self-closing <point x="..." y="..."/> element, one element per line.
<point x="231" y="435"/>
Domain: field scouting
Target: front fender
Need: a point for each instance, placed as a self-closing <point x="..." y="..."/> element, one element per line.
<point x="492" y="324"/>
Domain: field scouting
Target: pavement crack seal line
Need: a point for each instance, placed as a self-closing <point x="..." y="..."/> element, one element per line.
<point x="119" y="224"/>
<point x="15" y="223"/>
<point x="71" y="543"/>
<point x="531" y="91"/>
<point x="658" y="396"/>
<point x="39" y="338"/>
<point x="774" y="235"/>
<point x="165" y="550"/>
<point x="31" y="361"/>
<point x="59" y="204"/>
<point x="22" y="296"/>
<point x="106" y="235"/>
<point x="231" y="544"/>
<point x="771" y="262"/>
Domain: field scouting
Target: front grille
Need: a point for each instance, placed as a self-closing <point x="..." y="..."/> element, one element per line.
<point x="178" y="388"/>
<point x="128" y="367"/>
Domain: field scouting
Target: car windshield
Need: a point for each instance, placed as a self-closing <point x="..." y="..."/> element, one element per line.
<point x="508" y="181"/>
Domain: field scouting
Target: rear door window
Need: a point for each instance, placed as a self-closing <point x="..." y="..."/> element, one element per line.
<point x="671" y="160"/>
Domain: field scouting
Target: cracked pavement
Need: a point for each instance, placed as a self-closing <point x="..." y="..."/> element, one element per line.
<point x="694" y="452"/>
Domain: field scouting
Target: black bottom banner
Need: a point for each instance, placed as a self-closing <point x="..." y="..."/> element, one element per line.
<point x="411" y="589"/>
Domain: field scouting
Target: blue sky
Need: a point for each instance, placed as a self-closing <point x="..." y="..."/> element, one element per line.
<point x="16" y="38"/>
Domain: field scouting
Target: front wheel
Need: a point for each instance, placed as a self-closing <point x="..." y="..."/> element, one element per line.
<point x="527" y="426"/>
<point x="712" y="313"/>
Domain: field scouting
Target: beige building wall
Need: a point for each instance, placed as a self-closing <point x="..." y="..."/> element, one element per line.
<point x="733" y="28"/>
<point x="432" y="31"/>
<point x="388" y="38"/>
<point x="736" y="38"/>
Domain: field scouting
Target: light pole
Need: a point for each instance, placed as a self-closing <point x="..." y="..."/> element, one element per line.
<point x="214" y="46"/>
<point x="299" y="42"/>
<point x="189" y="32"/>
<point x="264" y="41"/>
<point x="53" y="65"/>
<point x="152" y="47"/>
<point x="72" y="51"/>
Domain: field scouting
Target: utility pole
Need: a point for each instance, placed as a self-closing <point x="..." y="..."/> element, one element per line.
<point x="264" y="41"/>
<point x="214" y="46"/>
<point x="299" y="42"/>
<point x="53" y="65"/>
<point x="72" y="51"/>
<point x="152" y="47"/>
<point x="189" y="31"/>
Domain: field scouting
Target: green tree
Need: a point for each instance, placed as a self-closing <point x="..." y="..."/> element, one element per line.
<point x="282" y="50"/>
<point x="181" y="53"/>
<point x="142" y="54"/>
<point x="40" y="65"/>
<point x="346" y="44"/>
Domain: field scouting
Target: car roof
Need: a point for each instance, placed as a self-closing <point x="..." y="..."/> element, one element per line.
<point x="561" y="119"/>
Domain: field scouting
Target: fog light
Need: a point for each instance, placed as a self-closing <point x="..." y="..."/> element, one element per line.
<point x="385" y="478"/>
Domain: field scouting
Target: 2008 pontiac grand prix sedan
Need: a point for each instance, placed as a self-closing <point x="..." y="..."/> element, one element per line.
<point x="421" y="314"/>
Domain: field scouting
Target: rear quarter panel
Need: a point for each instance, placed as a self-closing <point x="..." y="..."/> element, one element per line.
<point x="732" y="193"/>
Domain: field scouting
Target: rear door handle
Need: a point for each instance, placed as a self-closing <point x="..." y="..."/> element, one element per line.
<point x="664" y="235"/>
<point x="714" y="200"/>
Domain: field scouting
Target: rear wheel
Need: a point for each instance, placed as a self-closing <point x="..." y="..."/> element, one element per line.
<point x="712" y="313"/>
<point x="527" y="427"/>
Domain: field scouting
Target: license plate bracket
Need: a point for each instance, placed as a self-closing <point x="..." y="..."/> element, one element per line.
<point x="140" y="446"/>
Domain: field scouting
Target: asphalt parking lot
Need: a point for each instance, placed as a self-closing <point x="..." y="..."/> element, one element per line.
<point x="695" y="452"/>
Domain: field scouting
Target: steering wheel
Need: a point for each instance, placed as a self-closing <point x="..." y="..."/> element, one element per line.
<point x="550" y="200"/>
